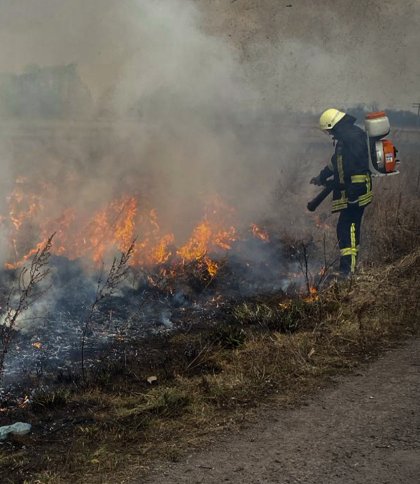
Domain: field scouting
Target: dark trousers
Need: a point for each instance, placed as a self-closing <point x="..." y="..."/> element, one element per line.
<point x="348" y="235"/>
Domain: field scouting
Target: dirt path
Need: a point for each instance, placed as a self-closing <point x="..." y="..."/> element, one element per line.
<point x="365" y="430"/>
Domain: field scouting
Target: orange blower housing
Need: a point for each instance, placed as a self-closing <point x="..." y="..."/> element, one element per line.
<point x="386" y="156"/>
<point x="382" y="152"/>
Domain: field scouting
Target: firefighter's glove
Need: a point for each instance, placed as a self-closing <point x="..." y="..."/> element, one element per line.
<point x="317" y="181"/>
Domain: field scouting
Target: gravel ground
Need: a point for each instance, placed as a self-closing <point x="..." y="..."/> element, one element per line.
<point x="364" y="430"/>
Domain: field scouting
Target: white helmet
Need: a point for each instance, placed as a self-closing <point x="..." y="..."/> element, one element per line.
<point x="330" y="118"/>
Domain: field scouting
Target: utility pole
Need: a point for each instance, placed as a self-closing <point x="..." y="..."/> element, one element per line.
<point x="417" y="105"/>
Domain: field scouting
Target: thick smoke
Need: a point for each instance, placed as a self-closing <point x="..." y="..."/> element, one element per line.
<point x="307" y="55"/>
<point x="174" y="121"/>
<point x="361" y="51"/>
<point x="186" y="95"/>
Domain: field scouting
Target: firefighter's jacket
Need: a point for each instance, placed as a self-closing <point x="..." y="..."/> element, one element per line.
<point x="350" y="166"/>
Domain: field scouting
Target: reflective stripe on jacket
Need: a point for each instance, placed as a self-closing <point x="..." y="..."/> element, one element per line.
<point x="350" y="167"/>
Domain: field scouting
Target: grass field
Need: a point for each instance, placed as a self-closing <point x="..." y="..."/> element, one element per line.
<point x="179" y="389"/>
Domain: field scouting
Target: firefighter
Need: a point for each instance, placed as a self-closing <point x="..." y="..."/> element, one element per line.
<point x="352" y="182"/>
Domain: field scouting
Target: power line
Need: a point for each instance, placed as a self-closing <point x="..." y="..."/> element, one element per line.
<point x="417" y="105"/>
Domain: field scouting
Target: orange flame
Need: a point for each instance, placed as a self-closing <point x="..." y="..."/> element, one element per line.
<point x="114" y="227"/>
<point x="212" y="266"/>
<point x="259" y="233"/>
<point x="313" y="295"/>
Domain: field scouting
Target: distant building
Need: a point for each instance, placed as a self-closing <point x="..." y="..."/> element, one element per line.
<point x="55" y="91"/>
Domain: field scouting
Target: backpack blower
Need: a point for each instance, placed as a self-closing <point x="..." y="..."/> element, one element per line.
<point x="382" y="154"/>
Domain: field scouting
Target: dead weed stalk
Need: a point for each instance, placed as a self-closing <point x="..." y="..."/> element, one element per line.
<point x="20" y="297"/>
<point x="105" y="288"/>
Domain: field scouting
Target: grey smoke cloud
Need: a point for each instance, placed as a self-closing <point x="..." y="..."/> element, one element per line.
<point x="187" y="84"/>
<point x="175" y="103"/>
<point x="326" y="52"/>
<point x="306" y="56"/>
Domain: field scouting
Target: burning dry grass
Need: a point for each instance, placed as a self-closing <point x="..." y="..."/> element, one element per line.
<point x="95" y="234"/>
<point x="208" y="379"/>
<point x="170" y="392"/>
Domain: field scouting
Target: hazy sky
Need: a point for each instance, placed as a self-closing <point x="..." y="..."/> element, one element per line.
<point x="312" y="54"/>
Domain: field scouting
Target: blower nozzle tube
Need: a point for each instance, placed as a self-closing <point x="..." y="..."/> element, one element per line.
<point x="315" y="202"/>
